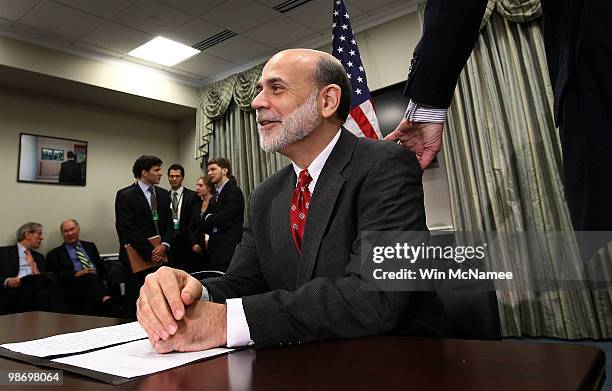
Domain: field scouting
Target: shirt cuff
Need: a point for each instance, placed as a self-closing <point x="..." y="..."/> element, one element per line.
<point x="422" y="113"/>
<point x="205" y="295"/>
<point x="238" y="333"/>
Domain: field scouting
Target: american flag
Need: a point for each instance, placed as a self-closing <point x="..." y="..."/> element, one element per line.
<point x="362" y="119"/>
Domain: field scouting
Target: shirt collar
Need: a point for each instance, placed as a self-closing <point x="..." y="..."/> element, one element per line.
<point x="315" y="168"/>
<point x="21" y="248"/>
<point x="220" y="188"/>
<point x="77" y="244"/>
<point x="143" y="186"/>
<point x="179" y="191"/>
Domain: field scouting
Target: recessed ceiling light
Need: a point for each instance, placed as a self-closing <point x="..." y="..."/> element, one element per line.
<point x="164" y="51"/>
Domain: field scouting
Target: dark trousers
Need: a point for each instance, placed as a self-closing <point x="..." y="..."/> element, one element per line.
<point x="84" y="294"/>
<point x="133" y="283"/>
<point x="37" y="293"/>
<point x="586" y="134"/>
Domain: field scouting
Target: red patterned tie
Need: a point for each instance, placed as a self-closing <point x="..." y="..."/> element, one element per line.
<point x="299" y="208"/>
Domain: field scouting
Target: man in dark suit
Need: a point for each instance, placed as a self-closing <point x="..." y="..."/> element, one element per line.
<point x="25" y="284"/>
<point x="70" y="171"/>
<point x="80" y="271"/>
<point x="142" y="211"/>
<point x="578" y="41"/>
<point x="224" y="217"/>
<point x="181" y="206"/>
<point x="297" y="276"/>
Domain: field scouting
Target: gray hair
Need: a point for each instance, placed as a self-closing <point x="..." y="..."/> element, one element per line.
<point x="330" y="71"/>
<point x="65" y="221"/>
<point x="27" y="228"/>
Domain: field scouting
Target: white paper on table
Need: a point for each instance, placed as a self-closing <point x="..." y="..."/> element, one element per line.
<point x="80" y="341"/>
<point x="135" y="359"/>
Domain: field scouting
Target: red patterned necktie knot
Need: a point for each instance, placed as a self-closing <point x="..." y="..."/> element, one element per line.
<point x="299" y="208"/>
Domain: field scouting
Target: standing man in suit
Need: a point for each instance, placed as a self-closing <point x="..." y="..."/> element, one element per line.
<point x="577" y="35"/>
<point x="25" y="284"/>
<point x="80" y="271"/>
<point x="225" y="215"/>
<point x="142" y="211"/>
<point x="181" y="205"/>
<point x="70" y="171"/>
<point x="296" y="276"/>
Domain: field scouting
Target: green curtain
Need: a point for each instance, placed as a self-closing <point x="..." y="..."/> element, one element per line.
<point x="504" y="168"/>
<point x="227" y="127"/>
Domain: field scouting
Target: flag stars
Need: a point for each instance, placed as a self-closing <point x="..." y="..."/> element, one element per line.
<point x="360" y="69"/>
<point x="349" y="75"/>
<point x="342" y="38"/>
<point x="358" y="91"/>
<point x="346" y="15"/>
<point x="360" y="79"/>
<point x="340" y="49"/>
<point x="352" y="52"/>
<point x="344" y="27"/>
<point x="349" y="64"/>
<point x="353" y="41"/>
<point x="336" y="13"/>
<point x="334" y="25"/>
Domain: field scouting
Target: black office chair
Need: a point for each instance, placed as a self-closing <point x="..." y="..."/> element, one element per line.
<point x="472" y="312"/>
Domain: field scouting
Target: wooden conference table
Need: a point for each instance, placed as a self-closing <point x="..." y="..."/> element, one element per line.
<point x="373" y="363"/>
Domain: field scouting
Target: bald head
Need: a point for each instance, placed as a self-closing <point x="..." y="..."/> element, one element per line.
<point x="70" y="231"/>
<point x="319" y="68"/>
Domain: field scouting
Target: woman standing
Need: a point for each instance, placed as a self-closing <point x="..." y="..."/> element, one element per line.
<point x="205" y="190"/>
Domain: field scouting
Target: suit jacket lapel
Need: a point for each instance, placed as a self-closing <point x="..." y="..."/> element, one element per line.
<point x="14" y="265"/>
<point x="280" y="228"/>
<point x="65" y="258"/>
<point x="323" y="202"/>
<point x="141" y="197"/>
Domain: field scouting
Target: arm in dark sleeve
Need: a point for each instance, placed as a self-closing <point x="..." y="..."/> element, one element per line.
<point x="326" y="308"/>
<point x="244" y="275"/>
<point x="223" y="216"/>
<point x="128" y="230"/>
<point x="53" y="263"/>
<point x="450" y="29"/>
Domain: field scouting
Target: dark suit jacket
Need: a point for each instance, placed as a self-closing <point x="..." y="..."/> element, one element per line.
<point x="451" y="27"/>
<point x="134" y="222"/>
<point x="9" y="267"/>
<point x="227" y="217"/>
<point x="70" y="172"/>
<point x="189" y="198"/>
<point x="365" y="185"/>
<point x="9" y="263"/>
<point x="61" y="265"/>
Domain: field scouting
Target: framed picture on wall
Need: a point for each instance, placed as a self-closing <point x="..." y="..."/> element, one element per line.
<point x="52" y="160"/>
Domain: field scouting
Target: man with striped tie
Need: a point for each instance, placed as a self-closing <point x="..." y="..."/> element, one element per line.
<point x="78" y="267"/>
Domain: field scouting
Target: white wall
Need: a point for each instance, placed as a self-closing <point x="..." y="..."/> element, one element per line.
<point x="115" y="140"/>
<point x="186" y="152"/>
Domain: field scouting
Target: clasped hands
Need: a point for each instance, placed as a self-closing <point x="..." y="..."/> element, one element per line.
<point x="158" y="253"/>
<point x="169" y="309"/>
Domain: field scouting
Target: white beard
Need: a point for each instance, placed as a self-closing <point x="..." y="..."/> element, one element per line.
<point x="294" y="127"/>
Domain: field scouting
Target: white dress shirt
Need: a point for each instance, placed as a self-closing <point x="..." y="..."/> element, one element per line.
<point x="238" y="333"/>
<point x="179" y="197"/>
